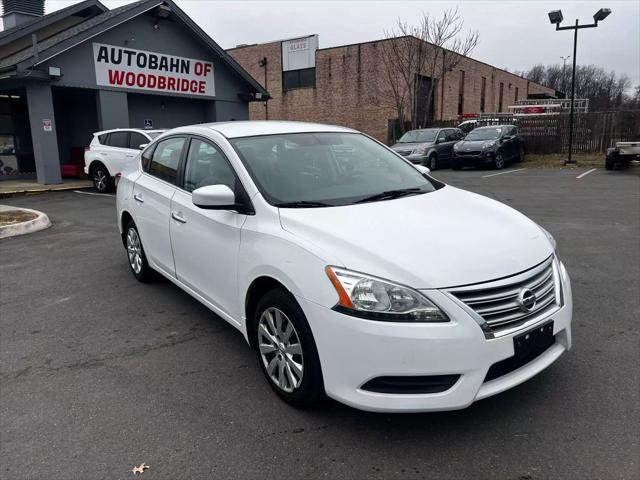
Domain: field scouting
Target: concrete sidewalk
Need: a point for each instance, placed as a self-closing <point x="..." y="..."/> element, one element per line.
<point x="12" y="187"/>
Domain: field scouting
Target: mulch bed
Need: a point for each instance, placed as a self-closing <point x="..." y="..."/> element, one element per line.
<point x="10" y="217"/>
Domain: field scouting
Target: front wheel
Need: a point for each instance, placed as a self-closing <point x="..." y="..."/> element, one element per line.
<point x="135" y="254"/>
<point x="286" y="350"/>
<point x="432" y="163"/>
<point x="498" y="162"/>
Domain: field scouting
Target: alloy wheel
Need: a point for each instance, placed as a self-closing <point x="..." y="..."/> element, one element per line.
<point x="499" y="161"/>
<point x="433" y="163"/>
<point x="280" y="349"/>
<point x="100" y="180"/>
<point x="134" y="251"/>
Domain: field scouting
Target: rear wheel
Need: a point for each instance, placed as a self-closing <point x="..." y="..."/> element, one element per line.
<point x="286" y="349"/>
<point x="101" y="178"/>
<point x="521" y="153"/>
<point x="498" y="162"/>
<point x="135" y="254"/>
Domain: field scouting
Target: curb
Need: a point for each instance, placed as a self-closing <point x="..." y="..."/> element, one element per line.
<point x="39" y="223"/>
<point x="59" y="187"/>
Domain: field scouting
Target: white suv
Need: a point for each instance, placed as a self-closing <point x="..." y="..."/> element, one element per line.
<point x="111" y="150"/>
<point x="349" y="270"/>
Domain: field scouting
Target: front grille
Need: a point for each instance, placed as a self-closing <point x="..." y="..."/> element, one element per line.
<point x="498" y="302"/>
<point x="470" y="153"/>
<point x="404" y="153"/>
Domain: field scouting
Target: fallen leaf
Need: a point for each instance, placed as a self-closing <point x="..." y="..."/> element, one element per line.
<point x="143" y="466"/>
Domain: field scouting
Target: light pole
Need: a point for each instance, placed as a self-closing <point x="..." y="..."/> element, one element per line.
<point x="564" y="76"/>
<point x="555" y="17"/>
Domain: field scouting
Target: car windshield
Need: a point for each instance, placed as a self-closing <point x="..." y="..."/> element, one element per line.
<point x="489" y="133"/>
<point x="419" y="136"/>
<point x="327" y="169"/>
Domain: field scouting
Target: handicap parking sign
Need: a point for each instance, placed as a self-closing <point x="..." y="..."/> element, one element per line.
<point x="148" y="123"/>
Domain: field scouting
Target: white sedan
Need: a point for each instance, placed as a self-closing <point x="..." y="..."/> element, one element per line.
<point x="351" y="272"/>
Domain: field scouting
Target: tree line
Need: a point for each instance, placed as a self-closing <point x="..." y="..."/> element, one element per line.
<point x="606" y="91"/>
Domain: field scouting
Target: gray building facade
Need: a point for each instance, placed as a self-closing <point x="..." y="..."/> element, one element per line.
<point x="85" y="68"/>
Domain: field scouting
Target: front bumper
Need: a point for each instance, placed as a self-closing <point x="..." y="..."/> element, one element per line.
<point x="353" y="351"/>
<point x="477" y="159"/>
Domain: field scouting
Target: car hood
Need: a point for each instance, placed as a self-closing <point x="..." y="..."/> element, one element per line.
<point x="409" y="146"/>
<point x="471" y="144"/>
<point x="445" y="238"/>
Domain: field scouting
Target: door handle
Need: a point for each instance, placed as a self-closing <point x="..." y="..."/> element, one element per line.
<point x="138" y="198"/>
<point x="130" y="155"/>
<point x="178" y="217"/>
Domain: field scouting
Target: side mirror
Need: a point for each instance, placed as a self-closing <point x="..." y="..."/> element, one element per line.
<point x="422" y="169"/>
<point x="214" y="197"/>
<point x="507" y="137"/>
<point x="142" y="146"/>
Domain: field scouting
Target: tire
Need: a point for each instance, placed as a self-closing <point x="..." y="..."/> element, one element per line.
<point x="498" y="162"/>
<point x="609" y="164"/>
<point x="295" y="377"/>
<point x="135" y="254"/>
<point x="432" y="162"/>
<point x="101" y="179"/>
<point x="521" y="153"/>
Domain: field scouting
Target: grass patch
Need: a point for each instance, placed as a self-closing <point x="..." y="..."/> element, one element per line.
<point x="11" y="217"/>
<point x="556" y="160"/>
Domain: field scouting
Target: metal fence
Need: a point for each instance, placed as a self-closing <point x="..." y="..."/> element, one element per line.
<point x="593" y="132"/>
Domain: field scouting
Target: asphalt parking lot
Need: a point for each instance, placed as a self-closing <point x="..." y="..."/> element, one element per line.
<point x="99" y="373"/>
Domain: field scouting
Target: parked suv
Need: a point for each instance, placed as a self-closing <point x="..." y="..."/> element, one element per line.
<point x="312" y="256"/>
<point x="494" y="146"/>
<point x="111" y="150"/>
<point x="432" y="147"/>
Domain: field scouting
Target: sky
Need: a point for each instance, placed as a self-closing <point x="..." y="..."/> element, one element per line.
<point x="513" y="34"/>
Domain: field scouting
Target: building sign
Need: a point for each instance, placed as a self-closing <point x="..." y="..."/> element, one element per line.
<point x="131" y="69"/>
<point x="299" y="53"/>
<point x="299" y="45"/>
<point x="46" y="125"/>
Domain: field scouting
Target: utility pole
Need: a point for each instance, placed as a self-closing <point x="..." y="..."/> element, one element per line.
<point x="564" y="75"/>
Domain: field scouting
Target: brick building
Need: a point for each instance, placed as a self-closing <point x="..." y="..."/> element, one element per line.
<point x="347" y="85"/>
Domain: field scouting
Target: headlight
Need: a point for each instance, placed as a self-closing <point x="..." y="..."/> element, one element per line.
<point x="455" y="146"/>
<point x="420" y="150"/>
<point x="551" y="240"/>
<point x="488" y="144"/>
<point x="376" y="299"/>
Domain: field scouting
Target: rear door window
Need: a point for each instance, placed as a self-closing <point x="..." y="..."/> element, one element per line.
<point x="103" y="139"/>
<point x="119" y="139"/>
<point x="166" y="159"/>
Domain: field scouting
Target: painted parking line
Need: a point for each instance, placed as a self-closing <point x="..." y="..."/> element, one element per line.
<point x="586" y="173"/>
<point x="95" y="194"/>
<point x="503" y="173"/>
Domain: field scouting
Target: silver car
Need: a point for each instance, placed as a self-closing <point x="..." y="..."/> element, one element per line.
<point x="431" y="147"/>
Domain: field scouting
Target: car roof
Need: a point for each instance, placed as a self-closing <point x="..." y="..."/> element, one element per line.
<point x="251" y="128"/>
<point x="496" y="126"/>
<point x="139" y="130"/>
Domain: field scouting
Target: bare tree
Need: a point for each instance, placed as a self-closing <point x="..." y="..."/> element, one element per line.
<point x="605" y="90"/>
<point x="419" y="56"/>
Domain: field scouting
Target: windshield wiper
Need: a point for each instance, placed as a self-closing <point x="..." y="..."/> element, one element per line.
<point x="302" y="204"/>
<point x="390" y="194"/>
